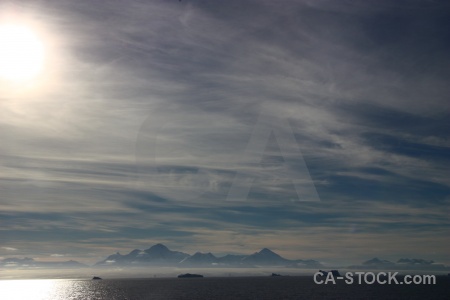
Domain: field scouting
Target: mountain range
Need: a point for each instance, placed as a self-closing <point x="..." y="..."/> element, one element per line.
<point x="160" y="255"/>
<point x="401" y="264"/>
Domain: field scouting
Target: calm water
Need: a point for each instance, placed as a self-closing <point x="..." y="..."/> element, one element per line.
<point x="214" y="288"/>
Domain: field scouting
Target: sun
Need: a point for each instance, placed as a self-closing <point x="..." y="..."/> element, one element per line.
<point x="21" y="53"/>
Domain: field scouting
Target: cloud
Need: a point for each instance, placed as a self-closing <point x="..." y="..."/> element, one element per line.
<point x="141" y="137"/>
<point x="9" y="248"/>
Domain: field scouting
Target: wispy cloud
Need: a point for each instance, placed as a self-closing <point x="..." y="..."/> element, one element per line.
<point x="140" y="133"/>
<point x="9" y="248"/>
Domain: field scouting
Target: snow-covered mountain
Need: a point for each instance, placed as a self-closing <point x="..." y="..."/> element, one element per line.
<point x="160" y="255"/>
<point x="155" y="255"/>
<point x="265" y="257"/>
<point x="401" y="264"/>
<point x="200" y="259"/>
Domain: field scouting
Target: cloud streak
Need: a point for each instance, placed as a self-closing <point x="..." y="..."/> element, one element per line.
<point x="155" y="103"/>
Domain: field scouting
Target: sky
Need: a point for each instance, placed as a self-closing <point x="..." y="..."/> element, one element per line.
<point x="318" y="129"/>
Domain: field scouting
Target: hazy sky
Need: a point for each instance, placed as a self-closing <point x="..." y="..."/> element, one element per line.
<point x="148" y="113"/>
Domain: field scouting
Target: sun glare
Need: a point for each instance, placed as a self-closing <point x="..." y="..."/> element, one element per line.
<point x="27" y="289"/>
<point x="21" y="53"/>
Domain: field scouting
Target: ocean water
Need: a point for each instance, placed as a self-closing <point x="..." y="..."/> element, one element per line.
<point x="292" y="287"/>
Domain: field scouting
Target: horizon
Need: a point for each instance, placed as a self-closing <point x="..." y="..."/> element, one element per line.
<point x="419" y="263"/>
<point x="316" y="129"/>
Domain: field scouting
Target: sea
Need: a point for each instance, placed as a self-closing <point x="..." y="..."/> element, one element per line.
<point x="285" y="287"/>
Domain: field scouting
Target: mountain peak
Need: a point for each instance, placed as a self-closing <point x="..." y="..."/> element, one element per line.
<point x="265" y="257"/>
<point x="200" y="258"/>
<point x="157" y="248"/>
<point x="135" y="252"/>
<point x="200" y="254"/>
<point x="266" y="251"/>
<point x="160" y="255"/>
<point x="377" y="261"/>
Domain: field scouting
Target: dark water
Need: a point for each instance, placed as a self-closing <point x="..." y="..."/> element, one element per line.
<point x="214" y="288"/>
